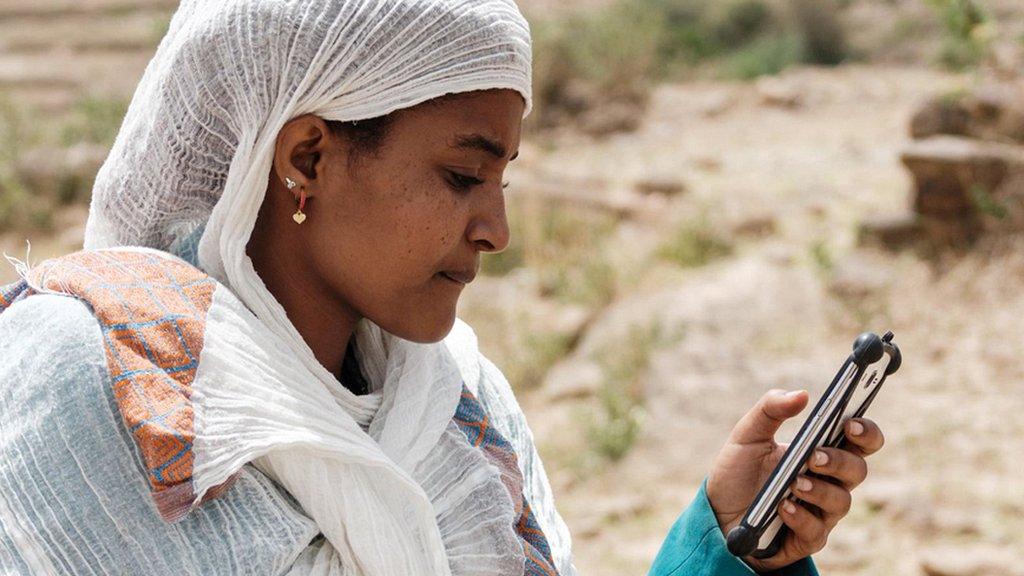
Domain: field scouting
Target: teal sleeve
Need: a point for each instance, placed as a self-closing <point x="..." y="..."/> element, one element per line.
<point x="695" y="546"/>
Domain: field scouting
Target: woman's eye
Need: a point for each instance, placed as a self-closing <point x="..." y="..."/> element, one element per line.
<point x="463" y="182"/>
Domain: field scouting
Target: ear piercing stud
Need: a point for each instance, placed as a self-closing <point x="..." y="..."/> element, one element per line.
<point x="299" y="216"/>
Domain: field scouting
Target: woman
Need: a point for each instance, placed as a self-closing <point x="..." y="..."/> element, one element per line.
<point x="259" y="368"/>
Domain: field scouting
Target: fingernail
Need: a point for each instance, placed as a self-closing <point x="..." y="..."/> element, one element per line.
<point x="820" y="458"/>
<point x="856" y="428"/>
<point x="803" y="484"/>
<point x="792" y="393"/>
<point x="788" y="507"/>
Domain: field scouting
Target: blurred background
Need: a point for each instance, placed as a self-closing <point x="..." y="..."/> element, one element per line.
<point x="713" y="198"/>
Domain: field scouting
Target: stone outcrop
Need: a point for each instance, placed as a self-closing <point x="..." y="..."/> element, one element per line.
<point x="992" y="112"/>
<point x="967" y="164"/>
<point x="955" y="180"/>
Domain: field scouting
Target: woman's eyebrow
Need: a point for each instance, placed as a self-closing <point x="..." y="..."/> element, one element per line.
<point x="481" y="142"/>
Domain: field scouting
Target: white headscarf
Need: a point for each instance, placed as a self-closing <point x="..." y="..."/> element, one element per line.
<point x="188" y="171"/>
<point x="196" y="146"/>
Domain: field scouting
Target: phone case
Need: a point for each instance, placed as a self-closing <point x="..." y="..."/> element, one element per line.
<point x="761" y="533"/>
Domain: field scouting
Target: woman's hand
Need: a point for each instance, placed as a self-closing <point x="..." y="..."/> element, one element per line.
<point x="749" y="457"/>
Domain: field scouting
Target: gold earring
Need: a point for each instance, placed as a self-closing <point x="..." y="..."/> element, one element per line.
<point x="299" y="216"/>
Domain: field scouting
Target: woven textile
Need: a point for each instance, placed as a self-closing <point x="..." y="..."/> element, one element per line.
<point x="474" y="423"/>
<point x="151" y="311"/>
<point x="11" y="293"/>
<point x="155" y="313"/>
<point x="188" y="172"/>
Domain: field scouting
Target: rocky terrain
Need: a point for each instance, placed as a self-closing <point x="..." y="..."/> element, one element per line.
<point x="661" y="279"/>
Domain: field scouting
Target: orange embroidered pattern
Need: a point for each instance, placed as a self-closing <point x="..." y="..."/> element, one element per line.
<point x="152" y="312"/>
<point x="472" y="419"/>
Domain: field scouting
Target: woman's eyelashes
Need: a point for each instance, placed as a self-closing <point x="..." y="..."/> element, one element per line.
<point x="463" y="182"/>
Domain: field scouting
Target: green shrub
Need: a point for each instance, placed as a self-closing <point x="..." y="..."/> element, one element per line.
<point x="686" y="37"/>
<point x="593" y="58"/>
<point x="563" y="246"/>
<point x="614" y="431"/>
<point x="736" y="22"/>
<point x="616" y="425"/>
<point x="987" y="204"/>
<point x="589" y="281"/>
<point x="94" y="119"/>
<point x="822" y="35"/>
<point x="19" y="206"/>
<point x="967" y="28"/>
<point x="822" y="257"/>
<point x="614" y="54"/>
<point x="695" y="244"/>
<point x="767" y="55"/>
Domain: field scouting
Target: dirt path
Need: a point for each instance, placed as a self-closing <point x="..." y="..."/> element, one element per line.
<point x="783" y="311"/>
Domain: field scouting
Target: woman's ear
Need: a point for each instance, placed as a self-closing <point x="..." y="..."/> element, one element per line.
<point x="301" y="144"/>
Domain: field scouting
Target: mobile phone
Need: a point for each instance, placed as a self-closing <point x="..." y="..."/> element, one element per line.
<point x="761" y="532"/>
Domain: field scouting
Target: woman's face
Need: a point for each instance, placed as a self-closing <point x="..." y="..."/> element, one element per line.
<point x="395" y="234"/>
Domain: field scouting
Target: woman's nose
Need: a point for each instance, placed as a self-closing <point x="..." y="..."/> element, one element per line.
<point x="488" y="230"/>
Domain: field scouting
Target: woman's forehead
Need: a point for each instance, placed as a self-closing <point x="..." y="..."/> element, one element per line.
<point x="488" y="121"/>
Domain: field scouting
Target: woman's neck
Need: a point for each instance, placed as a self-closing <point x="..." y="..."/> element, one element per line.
<point x="325" y="323"/>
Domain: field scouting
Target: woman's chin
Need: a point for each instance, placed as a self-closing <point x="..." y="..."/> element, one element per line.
<point x="427" y="332"/>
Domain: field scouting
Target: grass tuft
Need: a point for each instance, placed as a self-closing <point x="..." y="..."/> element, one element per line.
<point x="694" y="244"/>
<point x="616" y="425"/>
<point x="95" y="120"/>
<point x="968" y="32"/>
<point x="608" y="59"/>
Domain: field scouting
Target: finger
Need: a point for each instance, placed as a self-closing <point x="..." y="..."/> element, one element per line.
<point x="810" y="533"/>
<point x="764" y="419"/>
<point x="848" y="468"/>
<point x="833" y="501"/>
<point x="865" y="435"/>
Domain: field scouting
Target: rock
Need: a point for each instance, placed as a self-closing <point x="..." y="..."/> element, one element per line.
<point x="849" y="547"/>
<point x="715" y="104"/>
<point x="957" y="523"/>
<point x="611" y="118"/>
<point x="54" y="169"/>
<point x="890" y="232"/>
<point x="578" y="96"/>
<point x="1011" y="124"/>
<point x="993" y="112"/>
<point x="707" y="163"/>
<point x="572" y="379"/>
<point x="775" y="92"/>
<point x="996" y="113"/>
<point x="969" y="561"/>
<point x="660" y="184"/>
<point x="565" y="320"/>
<point x="943" y="115"/>
<point x="756" y="227"/>
<point x="901" y="500"/>
<point x="953" y="176"/>
<point x="857" y="277"/>
<point x="946" y="167"/>
<point x="613" y="509"/>
<point x="618" y="508"/>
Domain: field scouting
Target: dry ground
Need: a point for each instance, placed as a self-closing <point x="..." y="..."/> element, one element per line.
<point x="786" y="188"/>
<point x="782" y="312"/>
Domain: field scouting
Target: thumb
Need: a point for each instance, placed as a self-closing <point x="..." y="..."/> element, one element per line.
<point x="764" y="419"/>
